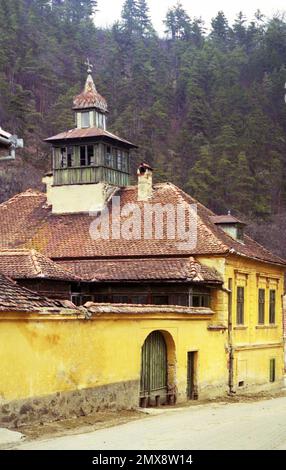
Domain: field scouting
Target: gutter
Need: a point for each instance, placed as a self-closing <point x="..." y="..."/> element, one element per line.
<point x="230" y="341"/>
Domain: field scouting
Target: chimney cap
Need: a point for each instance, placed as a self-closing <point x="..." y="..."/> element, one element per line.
<point x="143" y="167"/>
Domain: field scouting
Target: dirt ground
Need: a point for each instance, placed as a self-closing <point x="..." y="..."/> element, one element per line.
<point x="111" y="418"/>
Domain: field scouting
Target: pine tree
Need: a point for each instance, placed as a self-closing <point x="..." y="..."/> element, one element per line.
<point x="144" y="22"/>
<point x="178" y="23"/>
<point x="220" y="29"/>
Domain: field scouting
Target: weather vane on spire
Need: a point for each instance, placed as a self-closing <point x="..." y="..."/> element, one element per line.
<point x="89" y="65"/>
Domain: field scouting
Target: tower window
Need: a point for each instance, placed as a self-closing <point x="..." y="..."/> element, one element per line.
<point x="101" y="121"/>
<point x="119" y="160"/>
<point x="83" y="156"/>
<point x="108" y="156"/>
<point x="69" y="156"/>
<point x="85" y="119"/>
<point x="90" y="155"/>
<point x="86" y="155"/>
<point x="125" y="161"/>
<point x="63" y="157"/>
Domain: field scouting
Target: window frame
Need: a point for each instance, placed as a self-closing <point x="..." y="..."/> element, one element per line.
<point x="86" y="114"/>
<point x="272" y="307"/>
<point x="240" y="305"/>
<point x="261" y="306"/>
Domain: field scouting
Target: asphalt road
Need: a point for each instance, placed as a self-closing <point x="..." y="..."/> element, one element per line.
<point x="253" y="425"/>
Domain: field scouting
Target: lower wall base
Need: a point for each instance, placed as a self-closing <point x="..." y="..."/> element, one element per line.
<point x="116" y="396"/>
<point x="252" y="389"/>
<point x="62" y="405"/>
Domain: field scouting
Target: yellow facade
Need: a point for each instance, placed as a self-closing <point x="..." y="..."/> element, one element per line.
<point x="54" y="365"/>
<point x="254" y="344"/>
<point x="51" y="355"/>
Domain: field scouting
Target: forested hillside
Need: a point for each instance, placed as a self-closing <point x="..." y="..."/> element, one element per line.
<point x="206" y="107"/>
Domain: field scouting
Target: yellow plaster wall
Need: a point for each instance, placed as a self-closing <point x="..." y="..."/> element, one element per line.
<point x="43" y="357"/>
<point x="254" y="344"/>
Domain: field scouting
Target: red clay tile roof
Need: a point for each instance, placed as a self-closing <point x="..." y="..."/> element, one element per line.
<point x="30" y="264"/>
<point x="90" y="98"/>
<point x="27" y="221"/>
<point x="90" y="132"/>
<point x="15" y="298"/>
<point x="179" y="269"/>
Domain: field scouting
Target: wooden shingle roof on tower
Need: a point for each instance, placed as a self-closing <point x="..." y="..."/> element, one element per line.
<point x="27" y="221"/>
<point x="92" y="133"/>
<point x="90" y="98"/>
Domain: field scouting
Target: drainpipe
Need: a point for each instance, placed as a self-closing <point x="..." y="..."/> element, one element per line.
<point x="230" y="344"/>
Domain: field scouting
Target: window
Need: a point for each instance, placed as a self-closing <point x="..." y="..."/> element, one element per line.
<point x="63" y="157"/>
<point x="272" y="302"/>
<point x="69" y="156"/>
<point x="83" y="156"/>
<point x="85" y="119"/>
<point x="120" y="299"/>
<point x="240" y="306"/>
<point x="108" y="156"/>
<point x="100" y="121"/>
<point x="240" y="233"/>
<point x="179" y="299"/>
<point x="160" y="300"/>
<point x="261" y="306"/>
<point x="200" y="300"/>
<point x="78" y="299"/>
<point x="272" y="370"/>
<point x="139" y="299"/>
<point x="90" y="155"/>
<point x="125" y="162"/>
<point x="86" y="155"/>
<point x="119" y="159"/>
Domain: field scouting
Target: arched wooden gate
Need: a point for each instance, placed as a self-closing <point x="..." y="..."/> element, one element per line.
<point x="154" y="376"/>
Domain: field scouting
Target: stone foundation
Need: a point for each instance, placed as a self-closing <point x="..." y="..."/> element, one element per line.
<point x="63" y="405"/>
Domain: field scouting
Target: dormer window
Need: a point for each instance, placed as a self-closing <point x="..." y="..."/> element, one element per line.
<point x="231" y="225"/>
<point x="99" y="120"/>
<point x="85" y="120"/>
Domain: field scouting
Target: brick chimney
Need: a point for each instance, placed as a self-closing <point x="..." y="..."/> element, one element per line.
<point x="145" y="177"/>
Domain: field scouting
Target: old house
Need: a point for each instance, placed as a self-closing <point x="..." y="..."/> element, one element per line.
<point x="163" y="320"/>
